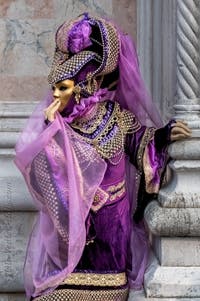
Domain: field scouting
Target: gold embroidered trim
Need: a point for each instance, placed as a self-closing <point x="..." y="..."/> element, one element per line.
<point x="100" y="199"/>
<point x="130" y="124"/>
<point x="117" y="194"/>
<point x="148" y="172"/>
<point x="89" y="123"/>
<point x="109" y="147"/>
<point x="95" y="279"/>
<point x="148" y="135"/>
<point x="114" y="188"/>
<point x="111" y="193"/>
<point x="86" y="295"/>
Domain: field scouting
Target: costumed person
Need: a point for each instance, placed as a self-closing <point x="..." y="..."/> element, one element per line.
<point x="92" y="154"/>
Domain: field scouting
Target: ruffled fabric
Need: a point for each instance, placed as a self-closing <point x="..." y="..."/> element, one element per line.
<point x="86" y="103"/>
<point x="79" y="36"/>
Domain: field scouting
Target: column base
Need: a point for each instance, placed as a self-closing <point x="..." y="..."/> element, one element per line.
<point x="140" y="296"/>
<point x="12" y="297"/>
<point x="171" y="282"/>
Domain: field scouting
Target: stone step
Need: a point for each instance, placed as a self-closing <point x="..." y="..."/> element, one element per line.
<point x="171" y="282"/>
<point x="140" y="296"/>
<point x="12" y="297"/>
<point x="15" y="228"/>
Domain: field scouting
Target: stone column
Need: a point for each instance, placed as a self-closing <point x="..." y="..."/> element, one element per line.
<point x="16" y="208"/>
<point x="174" y="219"/>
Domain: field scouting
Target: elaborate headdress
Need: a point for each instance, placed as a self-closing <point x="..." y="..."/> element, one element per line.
<point x="87" y="49"/>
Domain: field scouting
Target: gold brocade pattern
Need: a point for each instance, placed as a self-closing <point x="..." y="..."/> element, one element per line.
<point x="69" y="68"/>
<point x="109" y="142"/>
<point x="150" y="186"/>
<point x="86" y="295"/>
<point x="114" y="188"/>
<point x="118" y="194"/>
<point x="94" y="279"/>
<point x="148" y="135"/>
<point x="90" y="123"/>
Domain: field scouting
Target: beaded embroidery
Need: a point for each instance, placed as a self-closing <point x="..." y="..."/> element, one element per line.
<point x="100" y="199"/>
<point x="107" y="129"/>
<point x="95" y="279"/>
<point x="70" y="67"/>
<point x="89" y="125"/>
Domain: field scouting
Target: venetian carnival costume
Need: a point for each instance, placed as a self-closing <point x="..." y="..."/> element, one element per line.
<point x="90" y="168"/>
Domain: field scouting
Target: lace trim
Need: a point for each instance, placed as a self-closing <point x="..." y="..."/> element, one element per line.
<point x="111" y="194"/>
<point x="118" y="194"/>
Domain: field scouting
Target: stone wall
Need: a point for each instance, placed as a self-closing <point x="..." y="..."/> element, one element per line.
<point x="27" y="30"/>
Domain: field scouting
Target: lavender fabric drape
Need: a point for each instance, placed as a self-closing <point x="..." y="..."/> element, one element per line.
<point x="60" y="171"/>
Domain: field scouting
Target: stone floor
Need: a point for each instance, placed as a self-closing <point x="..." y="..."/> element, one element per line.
<point x="140" y="296"/>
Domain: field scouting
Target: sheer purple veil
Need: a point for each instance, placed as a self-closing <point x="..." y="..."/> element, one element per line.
<point x="131" y="91"/>
<point x="132" y="94"/>
<point x="35" y="125"/>
<point x="62" y="173"/>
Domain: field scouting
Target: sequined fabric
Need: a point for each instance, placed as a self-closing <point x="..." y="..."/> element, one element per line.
<point x="96" y="279"/>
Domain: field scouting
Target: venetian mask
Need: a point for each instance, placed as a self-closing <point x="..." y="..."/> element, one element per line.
<point x="63" y="91"/>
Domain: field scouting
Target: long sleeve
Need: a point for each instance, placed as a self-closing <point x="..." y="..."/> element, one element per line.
<point x="147" y="151"/>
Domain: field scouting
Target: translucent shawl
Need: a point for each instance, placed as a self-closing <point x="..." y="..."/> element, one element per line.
<point x="63" y="172"/>
<point x="60" y="171"/>
<point x="132" y="94"/>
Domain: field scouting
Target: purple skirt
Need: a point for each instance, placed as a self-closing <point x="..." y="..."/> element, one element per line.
<point x="101" y="271"/>
<point x="108" y="238"/>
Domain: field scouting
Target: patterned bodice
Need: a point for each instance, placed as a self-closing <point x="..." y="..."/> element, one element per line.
<point x="105" y="127"/>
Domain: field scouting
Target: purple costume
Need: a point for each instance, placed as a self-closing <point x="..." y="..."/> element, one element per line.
<point x="89" y="169"/>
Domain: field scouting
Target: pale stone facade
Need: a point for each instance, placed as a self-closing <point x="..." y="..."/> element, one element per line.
<point x="27" y="30"/>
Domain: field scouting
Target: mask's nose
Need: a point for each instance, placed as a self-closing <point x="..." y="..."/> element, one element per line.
<point x="56" y="93"/>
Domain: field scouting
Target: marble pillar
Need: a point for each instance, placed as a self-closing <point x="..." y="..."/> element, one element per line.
<point x="173" y="220"/>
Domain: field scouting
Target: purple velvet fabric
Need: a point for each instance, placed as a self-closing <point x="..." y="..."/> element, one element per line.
<point x="111" y="226"/>
<point x="154" y="163"/>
